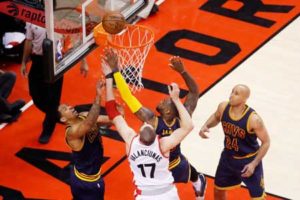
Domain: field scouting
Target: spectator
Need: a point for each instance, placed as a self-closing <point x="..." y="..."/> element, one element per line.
<point x="9" y="112"/>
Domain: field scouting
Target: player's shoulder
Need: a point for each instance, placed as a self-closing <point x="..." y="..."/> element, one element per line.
<point x="255" y="121"/>
<point x="254" y="117"/>
<point x="70" y="129"/>
<point x="222" y="105"/>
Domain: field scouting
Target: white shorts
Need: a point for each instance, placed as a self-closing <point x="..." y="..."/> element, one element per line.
<point x="169" y="195"/>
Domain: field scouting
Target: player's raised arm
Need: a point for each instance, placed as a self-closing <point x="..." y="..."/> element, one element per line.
<point x="186" y="124"/>
<point x="93" y="114"/>
<point x="124" y="130"/>
<point x="193" y="94"/>
<point x="143" y="113"/>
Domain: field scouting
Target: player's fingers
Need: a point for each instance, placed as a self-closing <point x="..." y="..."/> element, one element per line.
<point x="172" y="66"/>
<point x="174" y="85"/>
<point x="244" y="169"/>
<point x="169" y="89"/>
<point x="202" y="134"/>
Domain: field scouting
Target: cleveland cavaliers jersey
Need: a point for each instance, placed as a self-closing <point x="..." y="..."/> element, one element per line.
<point x="239" y="141"/>
<point x="149" y="166"/>
<point x="163" y="129"/>
<point x="89" y="159"/>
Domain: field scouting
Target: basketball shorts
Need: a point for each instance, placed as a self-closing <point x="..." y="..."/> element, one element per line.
<point x="171" y="194"/>
<point x="181" y="172"/>
<point x="228" y="175"/>
<point x="84" y="190"/>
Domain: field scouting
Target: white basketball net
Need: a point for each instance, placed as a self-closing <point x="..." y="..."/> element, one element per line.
<point x="132" y="46"/>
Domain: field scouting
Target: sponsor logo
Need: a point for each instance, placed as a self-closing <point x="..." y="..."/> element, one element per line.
<point x="25" y="13"/>
<point x="13" y="9"/>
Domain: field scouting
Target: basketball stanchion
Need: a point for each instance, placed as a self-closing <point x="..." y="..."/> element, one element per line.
<point x="132" y="46"/>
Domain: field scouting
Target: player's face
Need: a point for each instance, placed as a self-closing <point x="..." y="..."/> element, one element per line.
<point x="236" y="97"/>
<point x="166" y="109"/>
<point x="67" y="111"/>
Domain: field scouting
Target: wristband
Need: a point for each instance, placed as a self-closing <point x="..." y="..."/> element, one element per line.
<point x="111" y="109"/>
<point x="109" y="75"/>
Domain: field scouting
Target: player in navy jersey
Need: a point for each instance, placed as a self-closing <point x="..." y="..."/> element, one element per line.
<point x="241" y="159"/>
<point x="83" y="137"/>
<point x="167" y="121"/>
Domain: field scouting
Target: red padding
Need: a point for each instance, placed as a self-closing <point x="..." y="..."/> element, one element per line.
<point x="111" y="109"/>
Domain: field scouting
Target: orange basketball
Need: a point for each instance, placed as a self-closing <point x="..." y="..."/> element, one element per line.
<point x="113" y="22"/>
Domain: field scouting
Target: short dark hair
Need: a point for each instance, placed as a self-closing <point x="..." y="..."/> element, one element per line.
<point x="147" y="135"/>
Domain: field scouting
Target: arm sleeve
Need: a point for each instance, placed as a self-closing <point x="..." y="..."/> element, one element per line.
<point x="131" y="101"/>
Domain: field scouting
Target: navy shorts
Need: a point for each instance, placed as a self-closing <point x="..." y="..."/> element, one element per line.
<point x="83" y="190"/>
<point x="228" y="175"/>
<point x="182" y="171"/>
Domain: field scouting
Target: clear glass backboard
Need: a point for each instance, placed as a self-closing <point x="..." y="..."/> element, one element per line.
<point x="70" y="26"/>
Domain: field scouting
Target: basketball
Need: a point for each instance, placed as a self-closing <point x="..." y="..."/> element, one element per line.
<point x="113" y="22"/>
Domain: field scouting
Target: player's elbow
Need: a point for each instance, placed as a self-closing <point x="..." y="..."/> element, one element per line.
<point x="188" y="127"/>
<point x="267" y="143"/>
<point x="191" y="126"/>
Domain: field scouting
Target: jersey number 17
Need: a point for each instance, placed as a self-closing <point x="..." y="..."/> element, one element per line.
<point x="150" y="165"/>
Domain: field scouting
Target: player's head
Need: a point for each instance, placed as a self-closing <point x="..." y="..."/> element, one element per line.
<point x="67" y="113"/>
<point x="239" y="95"/>
<point x="147" y="134"/>
<point x="167" y="109"/>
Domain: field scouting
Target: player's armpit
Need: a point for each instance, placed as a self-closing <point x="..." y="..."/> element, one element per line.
<point x="191" y="102"/>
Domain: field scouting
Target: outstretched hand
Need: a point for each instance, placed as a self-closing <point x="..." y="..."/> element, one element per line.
<point x="174" y="91"/>
<point x="176" y="64"/>
<point x="84" y="68"/>
<point x="111" y="58"/>
<point x="100" y="85"/>
<point x="203" y="132"/>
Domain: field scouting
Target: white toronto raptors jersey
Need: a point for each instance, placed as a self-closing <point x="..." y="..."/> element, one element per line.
<point x="149" y="166"/>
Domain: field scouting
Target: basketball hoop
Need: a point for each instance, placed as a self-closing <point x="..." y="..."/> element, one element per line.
<point x="132" y="46"/>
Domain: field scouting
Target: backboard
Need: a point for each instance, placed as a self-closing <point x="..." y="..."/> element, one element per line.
<point x="69" y="26"/>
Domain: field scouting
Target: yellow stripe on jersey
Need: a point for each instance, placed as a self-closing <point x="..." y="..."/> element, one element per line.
<point x="248" y="123"/>
<point x="174" y="163"/>
<point x="246" y="156"/>
<point x="238" y="118"/>
<point x="170" y="124"/>
<point x="82" y="117"/>
<point x="86" y="177"/>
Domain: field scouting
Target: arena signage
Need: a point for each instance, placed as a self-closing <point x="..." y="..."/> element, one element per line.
<point x="23" y="12"/>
